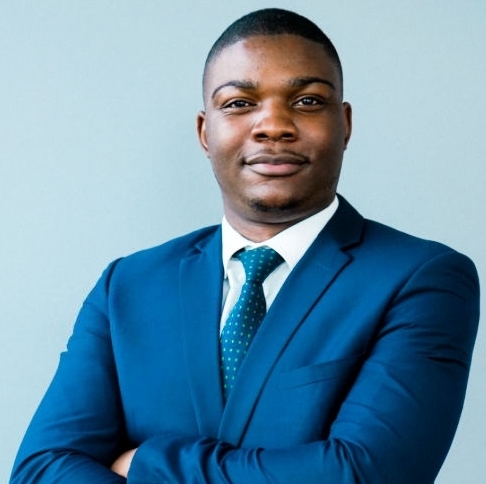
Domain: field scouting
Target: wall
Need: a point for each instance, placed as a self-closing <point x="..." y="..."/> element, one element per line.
<point x="98" y="155"/>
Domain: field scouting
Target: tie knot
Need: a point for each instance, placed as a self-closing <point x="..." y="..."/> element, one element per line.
<point x="259" y="263"/>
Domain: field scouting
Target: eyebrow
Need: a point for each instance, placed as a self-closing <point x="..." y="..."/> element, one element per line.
<point x="247" y="85"/>
<point x="296" y="82"/>
<point x="305" y="81"/>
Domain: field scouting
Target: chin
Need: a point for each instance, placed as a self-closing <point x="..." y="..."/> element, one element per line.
<point x="280" y="207"/>
<point x="291" y="206"/>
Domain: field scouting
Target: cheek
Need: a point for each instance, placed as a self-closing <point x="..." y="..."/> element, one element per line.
<point x="327" y="146"/>
<point x="226" y="136"/>
<point x="224" y="149"/>
<point x="216" y="139"/>
<point x="223" y="171"/>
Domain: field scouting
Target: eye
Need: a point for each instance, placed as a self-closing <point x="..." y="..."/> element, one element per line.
<point x="309" y="102"/>
<point x="237" y="104"/>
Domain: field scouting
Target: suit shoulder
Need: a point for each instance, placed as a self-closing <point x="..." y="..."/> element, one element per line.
<point x="393" y="244"/>
<point x="379" y="241"/>
<point x="167" y="254"/>
<point x="383" y="236"/>
<point x="181" y="244"/>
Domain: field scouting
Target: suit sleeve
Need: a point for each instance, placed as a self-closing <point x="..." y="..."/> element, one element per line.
<point x="77" y="431"/>
<point x="395" y="425"/>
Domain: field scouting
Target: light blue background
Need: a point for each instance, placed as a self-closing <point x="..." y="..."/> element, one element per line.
<point x="98" y="155"/>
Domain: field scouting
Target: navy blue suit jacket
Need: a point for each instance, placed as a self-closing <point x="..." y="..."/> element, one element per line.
<point x="357" y="374"/>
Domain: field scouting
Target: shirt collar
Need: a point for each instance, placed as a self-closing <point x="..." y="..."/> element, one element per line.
<point x="291" y="243"/>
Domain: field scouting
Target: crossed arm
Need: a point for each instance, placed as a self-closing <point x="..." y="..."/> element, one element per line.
<point x="401" y="412"/>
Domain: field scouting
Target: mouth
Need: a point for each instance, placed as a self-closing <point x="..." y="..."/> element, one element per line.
<point x="275" y="164"/>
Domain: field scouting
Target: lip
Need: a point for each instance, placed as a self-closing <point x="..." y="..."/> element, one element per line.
<point x="275" y="164"/>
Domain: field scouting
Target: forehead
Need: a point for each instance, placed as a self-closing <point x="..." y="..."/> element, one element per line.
<point x="265" y="55"/>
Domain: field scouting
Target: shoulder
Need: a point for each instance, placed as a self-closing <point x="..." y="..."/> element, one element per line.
<point x="390" y="243"/>
<point x="179" y="246"/>
<point x="386" y="238"/>
<point x="405" y="264"/>
<point x="380" y="241"/>
<point x="165" y="257"/>
<point x="389" y="253"/>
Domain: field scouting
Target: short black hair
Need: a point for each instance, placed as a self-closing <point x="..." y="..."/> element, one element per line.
<point x="273" y="21"/>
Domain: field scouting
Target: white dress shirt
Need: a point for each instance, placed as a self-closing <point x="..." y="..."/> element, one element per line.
<point x="291" y="244"/>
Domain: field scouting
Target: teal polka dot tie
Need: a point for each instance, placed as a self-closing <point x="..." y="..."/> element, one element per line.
<point x="247" y="313"/>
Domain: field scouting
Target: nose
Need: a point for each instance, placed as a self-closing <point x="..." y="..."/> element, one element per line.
<point x="274" y="122"/>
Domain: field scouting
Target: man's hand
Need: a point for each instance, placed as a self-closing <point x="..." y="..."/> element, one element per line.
<point x="122" y="465"/>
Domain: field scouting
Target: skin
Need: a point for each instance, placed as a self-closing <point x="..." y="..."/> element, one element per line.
<point x="275" y="129"/>
<point x="122" y="465"/>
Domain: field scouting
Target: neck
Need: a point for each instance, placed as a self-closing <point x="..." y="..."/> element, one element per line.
<point x="260" y="231"/>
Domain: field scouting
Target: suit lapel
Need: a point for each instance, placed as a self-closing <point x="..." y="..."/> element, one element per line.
<point x="307" y="283"/>
<point x="201" y="276"/>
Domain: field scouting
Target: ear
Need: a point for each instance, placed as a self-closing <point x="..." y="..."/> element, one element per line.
<point x="201" y="130"/>
<point x="348" y="122"/>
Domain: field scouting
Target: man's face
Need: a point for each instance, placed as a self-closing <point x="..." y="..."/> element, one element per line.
<point x="275" y="129"/>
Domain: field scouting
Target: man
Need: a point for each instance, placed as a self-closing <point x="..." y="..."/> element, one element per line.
<point x="358" y="371"/>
